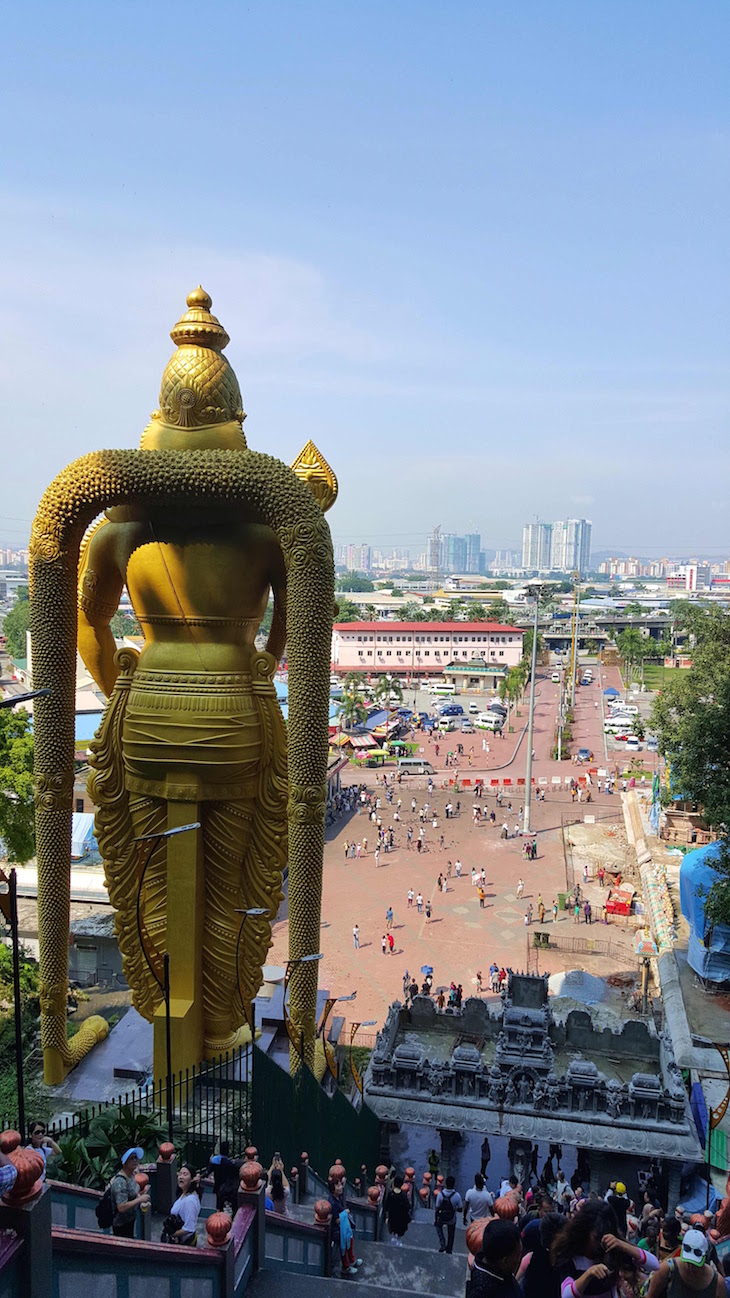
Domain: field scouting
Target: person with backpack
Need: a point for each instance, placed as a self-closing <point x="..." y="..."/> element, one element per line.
<point x="448" y="1203"/>
<point x="124" y="1196"/>
<point x="186" y="1207"/>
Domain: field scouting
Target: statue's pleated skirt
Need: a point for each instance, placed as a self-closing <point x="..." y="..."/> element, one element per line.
<point x="193" y="736"/>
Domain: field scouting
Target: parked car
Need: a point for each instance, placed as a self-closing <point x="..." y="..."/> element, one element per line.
<point x="652" y="744"/>
<point x="555" y="677"/>
<point x="489" y="721"/>
<point x="467" y="728"/>
<point x="405" y="712"/>
<point x="584" y="755"/>
<point x="451" y="710"/>
<point x="633" y="745"/>
<point x="474" y="707"/>
<point x="497" y="707"/>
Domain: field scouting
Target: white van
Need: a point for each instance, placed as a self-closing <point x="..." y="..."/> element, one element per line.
<point x="415" y="766"/>
<point x="442" y="687"/>
<point x="445" y="724"/>
<point x="489" y="721"/>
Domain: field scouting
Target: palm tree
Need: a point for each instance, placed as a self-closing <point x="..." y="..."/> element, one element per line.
<point x="631" y="646"/>
<point x="477" y="612"/>
<point x="386" y="686"/>
<point x="352" y="710"/>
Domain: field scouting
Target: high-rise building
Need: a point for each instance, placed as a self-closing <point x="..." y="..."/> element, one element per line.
<point x="453" y="552"/>
<point x="473" y="548"/>
<point x="536" y="546"/>
<point x="365" y="559"/>
<point x="570" y="550"/>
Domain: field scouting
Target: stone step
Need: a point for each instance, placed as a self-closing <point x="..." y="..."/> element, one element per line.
<point x="284" y="1284"/>
<point x="414" y="1268"/>
<point x="421" y="1234"/>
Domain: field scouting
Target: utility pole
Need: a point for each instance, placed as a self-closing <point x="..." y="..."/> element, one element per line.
<point x="574" y="654"/>
<point x="531" y="721"/>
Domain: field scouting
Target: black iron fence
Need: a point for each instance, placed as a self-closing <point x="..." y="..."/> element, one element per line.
<point x="210" y="1103"/>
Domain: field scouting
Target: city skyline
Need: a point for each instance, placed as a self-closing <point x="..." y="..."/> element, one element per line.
<point x="540" y="330"/>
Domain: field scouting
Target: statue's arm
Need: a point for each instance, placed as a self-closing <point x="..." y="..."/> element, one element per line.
<point x="276" y="642"/>
<point x="100" y="587"/>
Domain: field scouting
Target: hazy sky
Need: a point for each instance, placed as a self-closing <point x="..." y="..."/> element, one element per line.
<point x="477" y="251"/>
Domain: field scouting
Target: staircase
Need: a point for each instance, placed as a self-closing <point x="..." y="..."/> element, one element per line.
<point x="416" y="1268"/>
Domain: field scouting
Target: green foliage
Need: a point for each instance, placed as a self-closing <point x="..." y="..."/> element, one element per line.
<point x="691" y="717"/>
<point x="348" y="612"/>
<point x="397" y="592"/>
<point x="631" y="645"/>
<point x="477" y="612"/>
<point x="17" y="807"/>
<point x="411" y="612"/>
<point x="16" y="623"/>
<point x="354" y="581"/>
<point x="498" y="611"/>
<point x="124" y="624"/>
<point x="527" y="644"/>
<point x="91" y="1155"/>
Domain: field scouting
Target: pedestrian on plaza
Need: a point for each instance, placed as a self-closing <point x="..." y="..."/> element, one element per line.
<point x="364" y="845"/>
<point x="534" y="849"/>
<point x="555" y="911"/>
<point x="587" y="912"/>
<point x="585" y="872"/>
<point x="409" y="839"/>
<point x="356" y="936"/>
<point x="125" y="1194"/>
<point x="428" y="912"/>
<point x="413" y="805"/>
<point x="601" y="875"/>
<point x="411" y="895"/>
<point x="520" y="888"/>
<point x="576" y="913"/>
<point x="419" y="845"/>
<point x="377" y="856"/>
<point x="473" y="876"/>
<point x="517" y="831"/>
<point x="439" y="882"/>
<point x="482" y="896"/>
<point x="352" y="850"/>
<point x="448" y="869"/>
<point x="492" y="818"/>
<point x="457" y="867"/>
<point x="419" y="904"/>
<point x="391" y="943"/>
<point x="441" y="1000"/>
<point x="384" y="943"/>
<point x="479" y="982"/>
<point x="529" y="912"/>
<point x="443" y="886"/>
<point x="541" y="911"/>
<point x="484" y="877"/>
<point x="494" y="978"/>
<point x="347" y="849"/>
<point x="504" y="833"/>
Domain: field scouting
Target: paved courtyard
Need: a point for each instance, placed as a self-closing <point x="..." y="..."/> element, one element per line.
<point x="461" y="937"/>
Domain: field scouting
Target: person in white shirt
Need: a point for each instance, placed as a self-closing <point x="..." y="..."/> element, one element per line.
<point x="187" y="1207"/>
<point x="478" y="1201"/>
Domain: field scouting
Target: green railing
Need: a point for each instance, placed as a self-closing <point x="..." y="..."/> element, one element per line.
<point x="294" y="1114"/>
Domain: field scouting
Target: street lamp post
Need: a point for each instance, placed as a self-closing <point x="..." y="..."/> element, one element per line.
<point x="9" y="908"/>
<point x="14" y="699"/>
<point x="290" y="966"/>
<point x="164" y="982"/>
<point x="356" y="1074"/>
<point x="250" y="1019"/>
<point x="531" y="721"/>
<point x="331" y="1002"/>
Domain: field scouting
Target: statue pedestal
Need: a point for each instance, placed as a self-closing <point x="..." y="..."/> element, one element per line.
<point x="185" y="926"/>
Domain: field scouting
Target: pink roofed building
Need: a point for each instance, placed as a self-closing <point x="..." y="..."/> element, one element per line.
<point x="421" y="648"/>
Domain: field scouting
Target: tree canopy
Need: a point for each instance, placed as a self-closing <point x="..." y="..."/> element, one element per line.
<point x="348" y="612"/>
<point x="16" y="623"/>
<point x="354" y="581"/>
<point x="691" y="717"/>
<point x="17" y="807"/>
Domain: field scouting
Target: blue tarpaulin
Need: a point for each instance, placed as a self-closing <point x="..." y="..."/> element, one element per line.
<point x="708" y="952"/>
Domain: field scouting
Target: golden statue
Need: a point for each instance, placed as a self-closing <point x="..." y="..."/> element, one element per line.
<point x="200" y="530"/>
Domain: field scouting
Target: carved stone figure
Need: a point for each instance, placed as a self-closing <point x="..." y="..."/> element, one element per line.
<point x="200" y="530"/>
<point x="525" y="1089"/>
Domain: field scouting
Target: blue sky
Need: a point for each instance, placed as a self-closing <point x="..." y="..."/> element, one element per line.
<point x="477" y="251"/>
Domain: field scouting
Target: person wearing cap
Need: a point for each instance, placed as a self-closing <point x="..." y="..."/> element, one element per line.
<point x="690" y="1275"/>
<point x="619" y="1201"/>
<point x="126" y="1195"/>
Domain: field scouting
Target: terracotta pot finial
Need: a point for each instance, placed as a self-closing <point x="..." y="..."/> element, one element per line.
<point x="218" y="1229"/>
<point x="30" y="1166"/>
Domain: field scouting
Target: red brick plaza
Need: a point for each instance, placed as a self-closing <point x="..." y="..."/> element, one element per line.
<point x="461" y="937"/>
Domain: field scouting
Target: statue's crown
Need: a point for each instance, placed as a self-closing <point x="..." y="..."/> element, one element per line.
<point x="199" y="387"/>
